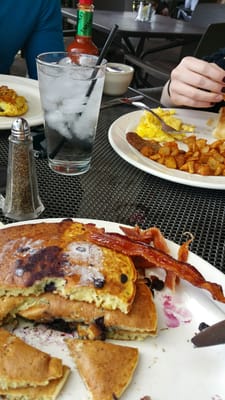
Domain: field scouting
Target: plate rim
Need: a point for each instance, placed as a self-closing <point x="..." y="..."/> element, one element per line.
<point x="158" y="170"/>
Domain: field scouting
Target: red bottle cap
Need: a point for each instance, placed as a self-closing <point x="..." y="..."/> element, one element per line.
<point x="86" y="2"/>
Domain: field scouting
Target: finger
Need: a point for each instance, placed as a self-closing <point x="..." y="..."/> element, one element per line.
<point x="195" y="93"/>
<point x="210" y="70"/>
<point x="205" y="83"/>
<point x="193" y="97"/>
<point x="182" y="100"/>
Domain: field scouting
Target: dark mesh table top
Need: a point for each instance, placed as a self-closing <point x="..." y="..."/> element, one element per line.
<point x="113" y="190"/>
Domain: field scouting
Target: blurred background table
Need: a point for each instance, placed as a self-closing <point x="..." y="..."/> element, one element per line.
<point x="114" y="190"/>
<point x="177" y="31"/>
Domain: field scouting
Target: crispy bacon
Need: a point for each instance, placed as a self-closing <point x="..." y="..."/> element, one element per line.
<point x="171" y="280"/>
<point x="149" y="235"/>
<point x="155" y="236"/>
<point x="142" y="263"/>
<point x="184" y="248"/>
<point x="156" y="257"/>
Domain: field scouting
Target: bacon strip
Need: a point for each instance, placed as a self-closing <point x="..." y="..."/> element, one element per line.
<point x="184" y="248"/>
<point x="171" y="280"/>
<point x="152" y="234"/>
<point x="149" y="235"/>
<point x="158" y="258"/>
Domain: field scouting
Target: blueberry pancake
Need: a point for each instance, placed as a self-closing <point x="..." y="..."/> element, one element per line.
<point x="106" y="368"/>
<point x="59" y="258"/>
<point x="22" y="364"/>
<point x="91" y="321"/>
<point x="48" y="392"/>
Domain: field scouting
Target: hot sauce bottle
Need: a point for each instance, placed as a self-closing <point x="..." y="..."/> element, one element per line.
<point x="82" y="42"/>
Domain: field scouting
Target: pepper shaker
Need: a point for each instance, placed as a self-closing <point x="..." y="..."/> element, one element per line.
<point x="22" y="201"/>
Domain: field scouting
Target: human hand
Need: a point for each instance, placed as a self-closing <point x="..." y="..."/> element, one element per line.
<point x="196" y="83"/>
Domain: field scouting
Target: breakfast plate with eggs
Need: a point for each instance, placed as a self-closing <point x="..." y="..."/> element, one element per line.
<point x="198" y="123"/>
<point x="19" y="97"/>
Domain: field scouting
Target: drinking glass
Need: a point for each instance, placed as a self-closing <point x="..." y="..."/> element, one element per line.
<point x="71" y="87"/>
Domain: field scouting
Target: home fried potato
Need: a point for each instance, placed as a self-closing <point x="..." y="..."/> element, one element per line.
<point x="200" y="157"/>
<point x="204" y="158"/>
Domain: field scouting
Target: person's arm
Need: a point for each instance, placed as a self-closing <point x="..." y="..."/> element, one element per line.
<point x="194" y="83"/>
<point x="47" y="34"/>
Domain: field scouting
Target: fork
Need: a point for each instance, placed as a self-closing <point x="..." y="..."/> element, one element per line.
<point x="119" y="100"/>
<point x="167" y="128"/>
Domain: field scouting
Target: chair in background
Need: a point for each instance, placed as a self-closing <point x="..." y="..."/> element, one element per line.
<point x="152" y="70"/>
<point x="148" y="70"/>
<point x="208" y="13"/>
<point x="211" y="41"/>
<point x="68" y="26"/>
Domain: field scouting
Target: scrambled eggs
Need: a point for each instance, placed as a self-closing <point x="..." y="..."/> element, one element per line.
<point x="149" y="126"/>
<point x="11" y="104"/>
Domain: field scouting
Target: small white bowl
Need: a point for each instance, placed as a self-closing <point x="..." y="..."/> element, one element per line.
<point x="117" y="78"/>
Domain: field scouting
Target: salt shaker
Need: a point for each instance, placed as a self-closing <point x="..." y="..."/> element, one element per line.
<point x="22" y="201"/>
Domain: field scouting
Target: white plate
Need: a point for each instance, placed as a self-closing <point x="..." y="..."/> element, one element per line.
<point x="30" y="90"/>
<point x="126" y="123"/>
<point x="169" y="367"/>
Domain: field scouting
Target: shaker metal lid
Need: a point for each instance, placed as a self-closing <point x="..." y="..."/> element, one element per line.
<point x="20" y="128"/>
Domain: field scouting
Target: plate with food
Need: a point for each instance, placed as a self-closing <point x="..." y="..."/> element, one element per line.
<point x="194" y="158"/>
<point x="89" y="310"/>
<point x="19" y="97"/>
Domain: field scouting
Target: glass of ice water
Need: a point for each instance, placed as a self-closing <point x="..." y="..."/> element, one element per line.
<point x="71" y="87"/>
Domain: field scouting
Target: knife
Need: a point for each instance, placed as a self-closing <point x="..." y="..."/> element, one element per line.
<point x="119" y="100"/>
<point x="210" y="336"/>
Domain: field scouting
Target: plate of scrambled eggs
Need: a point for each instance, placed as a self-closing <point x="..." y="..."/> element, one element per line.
<point x="26" y="89"/>
<point x="199" y="123"/>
